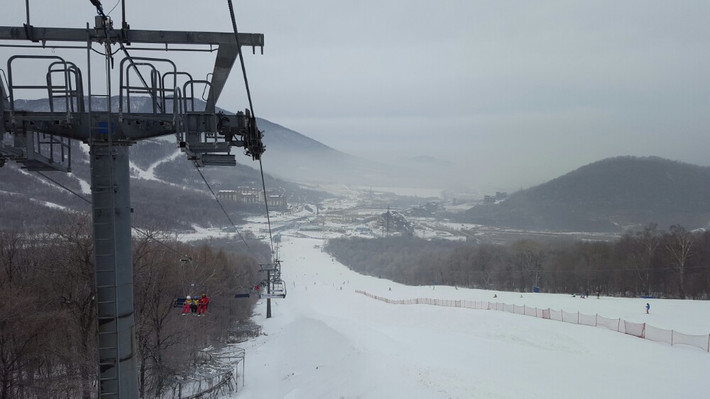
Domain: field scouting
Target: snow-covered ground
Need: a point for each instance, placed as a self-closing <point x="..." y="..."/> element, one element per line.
<point x="327" y="341"/>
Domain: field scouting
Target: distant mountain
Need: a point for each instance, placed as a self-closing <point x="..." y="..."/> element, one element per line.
<point x="166" y="189"/>
<point x="293" y="156"/>
<point x="167" y="192"/>
<point x="282" y="139"/>
<point x="610" y="195"/>
<point x="289" y="155"/>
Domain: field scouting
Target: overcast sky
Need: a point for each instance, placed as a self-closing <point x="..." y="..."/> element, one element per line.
<point x="516" y="92"/>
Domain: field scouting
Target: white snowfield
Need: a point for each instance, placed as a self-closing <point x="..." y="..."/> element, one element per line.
<point x="327" y="341"/>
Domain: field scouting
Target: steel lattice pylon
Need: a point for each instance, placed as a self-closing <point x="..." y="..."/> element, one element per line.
<point x="40" y="141"/>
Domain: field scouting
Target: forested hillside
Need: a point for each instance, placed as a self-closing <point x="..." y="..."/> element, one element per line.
<point x="672" y="263"/>
<point x="48" y="318"/>
<point x="167" y="192"/>
<point x="174" y="197"/>
<point x="610" y="195"/>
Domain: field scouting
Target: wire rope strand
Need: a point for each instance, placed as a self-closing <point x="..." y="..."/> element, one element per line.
<point x="147" y="235"/>
<point x="253" y="115"/>
<point x="221" y="206"/>
<point x="152" y="237"/>
<point x="240" y="55"/>
<point x="266" y="204"/>
<point x="113" y="8"/>
<point x="100" y="12"/>
<point x="140" y="76"/>
<point x="64" y="187"/>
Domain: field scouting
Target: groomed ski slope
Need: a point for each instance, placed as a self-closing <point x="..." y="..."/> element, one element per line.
<point x="327" y="341"/>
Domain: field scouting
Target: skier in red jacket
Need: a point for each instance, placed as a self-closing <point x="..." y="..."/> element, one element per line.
<point x="202" y="307"/>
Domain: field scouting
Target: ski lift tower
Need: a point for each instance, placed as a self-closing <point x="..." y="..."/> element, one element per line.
<point x="40" y="141"/>
<point x="275" y="287"/>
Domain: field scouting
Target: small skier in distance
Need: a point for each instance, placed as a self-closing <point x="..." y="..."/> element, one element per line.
<point x="648" y="307"/>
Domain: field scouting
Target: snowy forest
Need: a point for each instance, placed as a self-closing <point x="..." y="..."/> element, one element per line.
<point x="651" y="262"/>
<point x="48" y="318"/>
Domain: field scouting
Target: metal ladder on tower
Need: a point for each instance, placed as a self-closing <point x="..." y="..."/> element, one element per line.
<point x="104" y="215"/>
<point x="107" y="316"/>
<point x="103" y="191"/>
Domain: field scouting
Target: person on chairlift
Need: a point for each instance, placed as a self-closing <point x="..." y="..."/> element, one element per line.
<point x="186" y="305"/>
<point x="202" y="307"/>
<point x="193" y="305"/>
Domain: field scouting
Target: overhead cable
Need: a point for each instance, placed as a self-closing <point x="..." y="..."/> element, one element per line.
<point x="88" y="201"/>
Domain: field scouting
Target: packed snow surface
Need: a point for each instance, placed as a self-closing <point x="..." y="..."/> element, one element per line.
<point x="324" y="340"/>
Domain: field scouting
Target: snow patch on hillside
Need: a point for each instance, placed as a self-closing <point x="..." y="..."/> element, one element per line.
<point x="49" y="204"/>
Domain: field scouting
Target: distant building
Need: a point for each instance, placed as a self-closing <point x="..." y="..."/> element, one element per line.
<point x="253" y="197"/>
<point x="276" y="201"/>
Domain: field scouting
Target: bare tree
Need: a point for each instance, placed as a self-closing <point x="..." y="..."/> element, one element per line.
<point x="679" y="246"/>
<point x="484" y="261"/>
<point x="68" y="266"/>
<point x="642" y="247"/>
<point x="169" y="342"/>
<point x="23" y="343"/>
<point x="156" y="287"/>
<point x="29" y="322"/>
<point x="9" y="248"/>
<point x="528" y="257"/>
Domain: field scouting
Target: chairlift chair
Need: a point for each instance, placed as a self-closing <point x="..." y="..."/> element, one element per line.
<point x="279" y="288"/>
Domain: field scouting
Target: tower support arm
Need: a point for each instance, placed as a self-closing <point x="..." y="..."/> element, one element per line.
<point x="226" y="56"/>
<point x="239" y="130"/>
<point x="49" y="34"/>
<point x="82" y="126"/>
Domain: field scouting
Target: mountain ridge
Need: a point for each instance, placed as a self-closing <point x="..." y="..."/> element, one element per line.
<point x="612" y="194"/>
